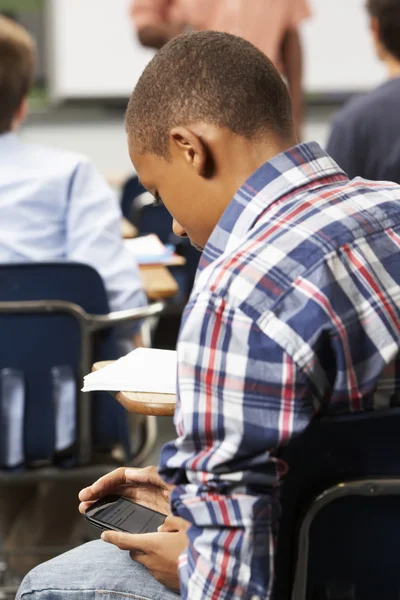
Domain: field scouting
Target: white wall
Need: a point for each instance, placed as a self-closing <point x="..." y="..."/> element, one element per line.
<point x="93" y="49"/>
<point x="339" y="55"/>
<point x="94" y="52"/>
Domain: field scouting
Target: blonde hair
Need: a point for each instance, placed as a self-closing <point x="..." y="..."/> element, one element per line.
<point x="17" y="69"/>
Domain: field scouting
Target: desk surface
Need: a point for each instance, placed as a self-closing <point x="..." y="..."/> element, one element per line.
<point x="159" y="405"/>
<point x="158" y="282"/>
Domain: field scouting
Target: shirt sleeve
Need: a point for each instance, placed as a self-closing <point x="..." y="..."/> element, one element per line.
<point x="240" y="396"/>
<point x="93" y="236"/>
<point x="149" y="12"/>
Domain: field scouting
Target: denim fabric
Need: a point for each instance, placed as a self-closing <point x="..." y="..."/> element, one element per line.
<point x="94" y="571"/>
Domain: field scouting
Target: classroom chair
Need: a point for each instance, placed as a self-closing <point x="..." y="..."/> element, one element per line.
<point x="130" y="190"/>
<point x="341" y="510"/>
<point x="55" y="323"/>
<point x="149" y="218"/>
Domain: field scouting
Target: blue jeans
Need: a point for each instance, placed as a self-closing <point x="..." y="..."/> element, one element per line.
<point x="94" y="571"/>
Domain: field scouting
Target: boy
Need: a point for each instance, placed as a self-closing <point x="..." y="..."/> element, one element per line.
<point x="293" y="276"/>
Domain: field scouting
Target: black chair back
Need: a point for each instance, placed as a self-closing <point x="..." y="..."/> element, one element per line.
<point x="46" y="350"/>
<point x="353" y="543"/>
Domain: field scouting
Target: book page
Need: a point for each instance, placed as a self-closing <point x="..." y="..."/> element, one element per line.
<point x="142" y="370"/>
<point x="148" y="247"/>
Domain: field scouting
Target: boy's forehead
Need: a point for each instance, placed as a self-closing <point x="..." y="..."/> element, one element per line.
<point x="147" y="166"/>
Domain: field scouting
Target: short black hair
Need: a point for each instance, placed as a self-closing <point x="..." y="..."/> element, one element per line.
<point x="213" y="77"/>
<point x="388" y="14"/>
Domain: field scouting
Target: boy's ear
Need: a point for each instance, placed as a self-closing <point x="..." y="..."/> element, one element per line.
<point x="191" y="148"/>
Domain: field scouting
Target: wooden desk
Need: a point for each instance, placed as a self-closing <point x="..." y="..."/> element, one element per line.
<point x="128" y="231"/>
<point x="158" y="282"/>
<point x="159" y="405"/>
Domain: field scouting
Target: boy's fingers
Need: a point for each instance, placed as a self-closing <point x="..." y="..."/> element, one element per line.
<point x="148" y="475"/>
<point x="103" y="485"/>
<point x="173" y="523"/>
<point x="141" y="542"/>
<point x="83" y="506"/>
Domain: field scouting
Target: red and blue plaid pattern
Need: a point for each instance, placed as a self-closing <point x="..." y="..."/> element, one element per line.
<point x="295" y="311"/>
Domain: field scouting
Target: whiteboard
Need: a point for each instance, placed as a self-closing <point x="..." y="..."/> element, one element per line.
<point x="338" y="49"/>
<point x="94" y="52"/>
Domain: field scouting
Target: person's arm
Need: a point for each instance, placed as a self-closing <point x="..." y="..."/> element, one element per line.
<point x="155" y="36"/>
<point x="93" y="236"/>
<point x="240" y="397"/>
<point x="292" y="57"/>
<point x="150" y="18"/>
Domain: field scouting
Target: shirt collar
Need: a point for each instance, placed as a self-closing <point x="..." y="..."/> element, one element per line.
<point x="300" y="166"/>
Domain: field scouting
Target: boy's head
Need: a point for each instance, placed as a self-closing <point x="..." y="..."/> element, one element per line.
<point x="385" y="25"/>
<point x="208" y="110"/>
<point x="17" y="71"/>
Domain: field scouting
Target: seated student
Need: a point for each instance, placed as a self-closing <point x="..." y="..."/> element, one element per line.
<point x="54" y="206"/>
<point x="284" y="321"/>
<point x="365" y="135"/>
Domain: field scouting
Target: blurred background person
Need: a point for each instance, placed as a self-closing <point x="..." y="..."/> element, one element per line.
<point x="271" y="25"/>
<point x="55" y="206"/>
<point x="365" y="135"/>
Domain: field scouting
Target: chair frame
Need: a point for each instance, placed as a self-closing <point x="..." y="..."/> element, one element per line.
<point x="89" y="324"/>
<point x="388" y="486"/>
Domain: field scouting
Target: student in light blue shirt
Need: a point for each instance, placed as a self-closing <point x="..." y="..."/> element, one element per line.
<point x="54" y="206"/>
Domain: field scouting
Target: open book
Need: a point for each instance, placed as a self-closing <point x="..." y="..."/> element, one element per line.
<point x="142" y="370"/>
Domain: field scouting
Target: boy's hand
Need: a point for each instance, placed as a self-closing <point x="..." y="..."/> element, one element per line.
<point x="144" y="486"/>
<point x="158" y="552"/>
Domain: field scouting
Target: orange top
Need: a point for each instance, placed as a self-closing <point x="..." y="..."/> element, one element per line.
<point x="262" y="22"/>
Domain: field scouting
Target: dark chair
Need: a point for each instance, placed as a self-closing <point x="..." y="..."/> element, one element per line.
<point x="341" y="510"/>
<point x="138" y="206"/>
<point x="130" y="190"/>
<point x="54" y="323"/>
<point x="149" y="218"/>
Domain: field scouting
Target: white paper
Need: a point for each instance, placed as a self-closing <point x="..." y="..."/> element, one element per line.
<point x="142" y="370"/>
<point x="146" y="245"/>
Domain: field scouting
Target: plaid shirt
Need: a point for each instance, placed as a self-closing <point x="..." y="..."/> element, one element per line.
<point x="295" y="310"/>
